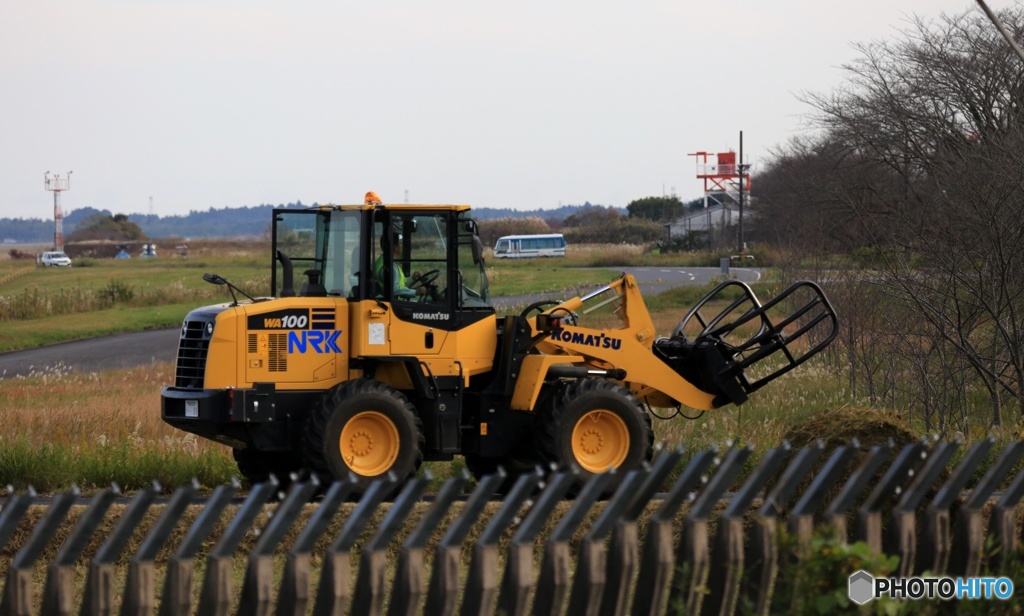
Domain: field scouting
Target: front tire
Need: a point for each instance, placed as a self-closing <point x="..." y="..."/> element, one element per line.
<point x="593" y="425"/>
<point x="365" y="428"/>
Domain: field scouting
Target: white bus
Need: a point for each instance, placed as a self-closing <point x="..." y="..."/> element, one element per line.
<point x="526" y="246"/>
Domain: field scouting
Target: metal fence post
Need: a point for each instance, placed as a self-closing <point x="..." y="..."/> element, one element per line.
<point x="442" y="595"/>
<point x="335" y="589"/>
<point x="368" y="599"/>
<point x="838" y="510"/>
<point x="903" y="528"/>
<point x="217" y="593"/>
<point x="724" y="590"/>
<point x="410" y="583"/>
<point x="555" y="566"/>
<point x="937" y="544"/>
<point x="1003" y="523"/>
<point x="177" y="594"/>
<point x="659" y="559"/>
<point x="624" y="550"/>
<point x="258" y="584"/>
<point x="58" y="594"/>
<point x="591" y="562"/>
<point x="694" y="553"/>
<point x="17" y="599"/>
<point x="482" y="583"/>
<point x="801" y="519"/>
<point x="514" y="595"/>
<point x="140" y="586"/>
<point x="99" y="585"/>
<point x="765" y="566"/>
<point x="14" y="509"/>
<point x="969" y="534"/>
<point x="869" y="516"/>
<point x="294" y="595"/>
<point x="693" y="474"/>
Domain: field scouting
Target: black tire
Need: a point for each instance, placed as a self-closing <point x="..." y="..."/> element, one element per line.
<point x="257" y="466"/>
<point x="620" y="437"/>
<point x="384" y="434"/>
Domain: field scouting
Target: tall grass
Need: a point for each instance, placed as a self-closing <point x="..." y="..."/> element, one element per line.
<point x="36" y="303"/>
<point x="59" y="428"/>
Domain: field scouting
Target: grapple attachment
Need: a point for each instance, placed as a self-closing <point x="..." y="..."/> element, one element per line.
<point x="726" y="350"/>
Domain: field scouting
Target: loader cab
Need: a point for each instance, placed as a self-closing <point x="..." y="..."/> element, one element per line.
<point x="424" y="262"/>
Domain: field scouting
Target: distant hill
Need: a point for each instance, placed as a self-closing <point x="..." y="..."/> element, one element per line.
<point x="224" y="222"/>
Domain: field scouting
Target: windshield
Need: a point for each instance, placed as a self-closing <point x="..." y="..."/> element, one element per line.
<point x="327" y="241"/>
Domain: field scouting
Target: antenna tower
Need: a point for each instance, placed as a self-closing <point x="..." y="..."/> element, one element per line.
<point x="57" y="185"/>
<point x="725" y="182"/>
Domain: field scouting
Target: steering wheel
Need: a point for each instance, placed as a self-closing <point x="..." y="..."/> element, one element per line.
<point x="424" y="279"/>
<point x="536" y="307"/>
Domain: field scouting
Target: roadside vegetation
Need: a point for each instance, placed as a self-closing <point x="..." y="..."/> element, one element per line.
<point x="41" y="306"/>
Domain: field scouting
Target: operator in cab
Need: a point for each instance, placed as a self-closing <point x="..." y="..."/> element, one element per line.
<point x="401" y="291"/>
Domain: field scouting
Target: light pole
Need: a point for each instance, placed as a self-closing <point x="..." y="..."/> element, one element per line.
<point x="743" y="171"/>
<point x="57" y="185"/>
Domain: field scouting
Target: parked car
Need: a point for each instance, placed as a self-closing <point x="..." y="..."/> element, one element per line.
<point x="55" y="258"/>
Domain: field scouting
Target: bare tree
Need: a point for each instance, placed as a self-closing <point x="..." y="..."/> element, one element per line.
<point x="920" y="161"/>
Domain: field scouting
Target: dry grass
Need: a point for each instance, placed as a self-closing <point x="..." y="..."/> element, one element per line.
<point x="58" y="428"/>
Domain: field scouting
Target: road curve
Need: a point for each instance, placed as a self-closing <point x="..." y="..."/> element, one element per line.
<point x="157" y="346"/>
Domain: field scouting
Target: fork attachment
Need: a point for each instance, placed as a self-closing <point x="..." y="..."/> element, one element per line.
<point x="721" y="356"/>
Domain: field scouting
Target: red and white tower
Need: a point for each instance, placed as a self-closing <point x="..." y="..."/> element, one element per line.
<point x="725" y="182"/>
<point x="57" y="185"/>
<point x="721" y="176"/>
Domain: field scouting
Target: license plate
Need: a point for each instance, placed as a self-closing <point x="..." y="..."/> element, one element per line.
<point x="191" y="408"/>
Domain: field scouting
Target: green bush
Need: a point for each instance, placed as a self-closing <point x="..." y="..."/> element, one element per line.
<point x="818" y="583"/>
<point x="116" y="292"/>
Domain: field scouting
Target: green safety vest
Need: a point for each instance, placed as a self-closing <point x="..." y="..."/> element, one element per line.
<point x="378" y="268"/>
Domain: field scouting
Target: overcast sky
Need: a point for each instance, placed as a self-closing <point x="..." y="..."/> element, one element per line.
<point x="526" y="104"/>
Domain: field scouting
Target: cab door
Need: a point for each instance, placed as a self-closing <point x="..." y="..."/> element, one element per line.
<point x="420" y="275"/>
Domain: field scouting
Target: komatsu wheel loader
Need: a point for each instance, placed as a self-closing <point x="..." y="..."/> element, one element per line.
<point x="391" y="353"/>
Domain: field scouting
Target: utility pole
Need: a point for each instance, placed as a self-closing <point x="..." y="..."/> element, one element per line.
<point x="57" y="185"/>
<point x="742" y="170"/>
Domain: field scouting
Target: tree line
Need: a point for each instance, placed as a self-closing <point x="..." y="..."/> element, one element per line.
<point x="909" y="199"/>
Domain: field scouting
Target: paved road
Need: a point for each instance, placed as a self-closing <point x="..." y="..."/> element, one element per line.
<point x="140" y="348"/>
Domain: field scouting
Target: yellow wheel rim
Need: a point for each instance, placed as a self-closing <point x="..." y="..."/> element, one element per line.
<point x="600" y="441"/>
<point x="369" y="443"/>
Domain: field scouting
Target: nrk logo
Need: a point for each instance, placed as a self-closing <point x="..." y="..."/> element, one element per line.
<point x="600" y="341"/>
<point x="316" y="341"/>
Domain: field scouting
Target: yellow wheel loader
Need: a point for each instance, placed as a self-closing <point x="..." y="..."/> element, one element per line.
<point x="390" y="353"/>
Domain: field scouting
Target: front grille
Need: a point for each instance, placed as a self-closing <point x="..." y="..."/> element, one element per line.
<point x="272" y="346"/>
<point x="192" y="349"/>
<point x="278" y="353"/>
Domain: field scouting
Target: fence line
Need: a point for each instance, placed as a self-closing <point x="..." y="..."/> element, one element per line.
<point x="935" y="523"/>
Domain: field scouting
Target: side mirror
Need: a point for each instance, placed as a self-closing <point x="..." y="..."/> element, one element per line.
<point x="214" y="279"/>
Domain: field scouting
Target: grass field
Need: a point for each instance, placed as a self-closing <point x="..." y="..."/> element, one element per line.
<point x="41" y="306"/>
<point x="59" y="428"/>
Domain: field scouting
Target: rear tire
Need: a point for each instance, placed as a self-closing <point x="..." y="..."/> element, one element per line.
<point x="366" y="428"/>
<point x="257" y="466"/>
<point x="593" y="425"/>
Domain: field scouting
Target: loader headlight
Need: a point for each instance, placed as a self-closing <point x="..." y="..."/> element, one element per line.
<point x="209" y="329"/>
